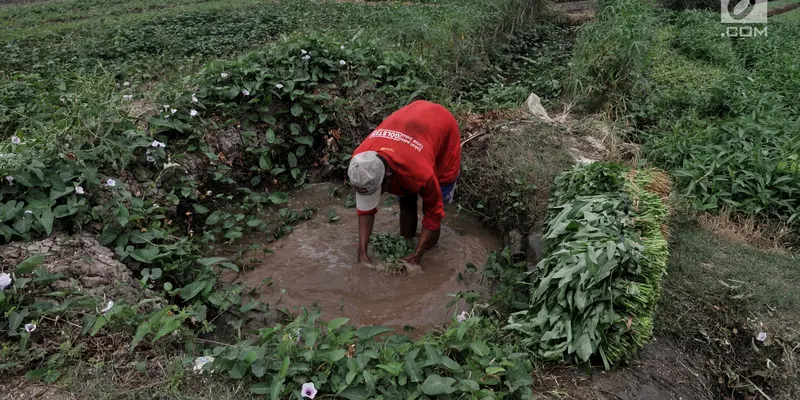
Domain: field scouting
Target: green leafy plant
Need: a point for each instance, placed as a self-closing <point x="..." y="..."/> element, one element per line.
<point x="353" y="363"/>
<point x="595" y="291"/>
<point x="391" y="248"/>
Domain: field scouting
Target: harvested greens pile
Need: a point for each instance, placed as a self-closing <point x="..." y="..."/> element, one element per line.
<point x="595" y="291"/>
<point x="391" y="248"/>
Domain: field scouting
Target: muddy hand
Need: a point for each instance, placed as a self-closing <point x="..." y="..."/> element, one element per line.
<point x="413" y="259"/>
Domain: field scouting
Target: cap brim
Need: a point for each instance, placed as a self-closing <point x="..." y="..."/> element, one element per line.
<point x="368" y="202"/>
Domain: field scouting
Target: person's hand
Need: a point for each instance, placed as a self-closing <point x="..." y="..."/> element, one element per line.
<point x="413" y="258"/>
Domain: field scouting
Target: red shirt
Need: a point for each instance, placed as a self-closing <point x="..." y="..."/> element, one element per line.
<point x="422" y="145"/>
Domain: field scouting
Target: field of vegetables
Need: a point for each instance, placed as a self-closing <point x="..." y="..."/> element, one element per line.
<point x="141" y="137"/>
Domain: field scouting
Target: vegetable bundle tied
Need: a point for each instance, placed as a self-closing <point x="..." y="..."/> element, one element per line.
<point x="595" y="291"/>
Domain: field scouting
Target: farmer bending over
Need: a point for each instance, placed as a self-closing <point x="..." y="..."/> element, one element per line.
<point x="414" y="152"/>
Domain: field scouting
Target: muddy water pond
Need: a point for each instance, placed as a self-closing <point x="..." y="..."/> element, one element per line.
<point x="315" y="266"/>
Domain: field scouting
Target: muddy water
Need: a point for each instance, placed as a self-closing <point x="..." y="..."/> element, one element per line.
<point x="316" y="266"/>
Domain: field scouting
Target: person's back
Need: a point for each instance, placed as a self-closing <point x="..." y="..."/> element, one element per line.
<point x="434" y="142"/>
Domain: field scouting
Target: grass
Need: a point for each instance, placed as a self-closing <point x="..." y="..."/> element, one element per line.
<point x="719" y="294"/>
<point x="791" y="17"/>
<point x="781" y="3"/>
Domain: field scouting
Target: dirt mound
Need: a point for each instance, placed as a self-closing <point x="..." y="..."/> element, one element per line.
<point x="87" y="265"/>
<point x="661" y="371"/>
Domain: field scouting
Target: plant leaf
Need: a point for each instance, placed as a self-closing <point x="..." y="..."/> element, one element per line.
<point x="335" y="323"/>
<point x="436" y="385"/>
<point x="368" y="332"/>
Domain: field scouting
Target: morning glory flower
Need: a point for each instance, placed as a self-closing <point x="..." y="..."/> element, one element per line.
<point x="306" y="57"/>
<point x="303" y="52"/>
<point x="309" y="390"/>
<point x="150" y="158"/>
<point x="78" y="189"/>
<point x="194" y="98"/>
<point x="279" y="86"/>
<point x="156" y="143"/>
<point x="246" y="92"/>
<point x="341" y="47"/>
<point x="762" y="336"/>
<point x="126" y="84"/>
<point x="224" y="75"/>
<point x="26" y="213"/>
<point x="30" y="328"/>
<point x="111" y="183"/>
<point x="462" y="317"/>
<point x="193" y="113"/>
<point x="342" y="62"/>
<point x="10" y="179"/>
<point x="166" y="107"/>
<point x="5" y="281"/>
<point x="127" y="97"/>
<point x="173" y="111"/>
<point x="15" y="140"/>
<point x="108" y="307"/>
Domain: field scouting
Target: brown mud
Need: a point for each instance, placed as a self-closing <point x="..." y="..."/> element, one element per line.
<point x="316" y="265"/>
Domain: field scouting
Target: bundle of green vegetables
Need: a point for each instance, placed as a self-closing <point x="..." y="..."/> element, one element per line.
<point x="595" y="290"/>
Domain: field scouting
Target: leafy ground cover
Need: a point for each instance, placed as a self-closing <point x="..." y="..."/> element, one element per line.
<point x="242" y="101"/>
<point x="699" y="99"/>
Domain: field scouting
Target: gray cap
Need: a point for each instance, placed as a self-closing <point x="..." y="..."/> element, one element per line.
<point x="366" y="173"/>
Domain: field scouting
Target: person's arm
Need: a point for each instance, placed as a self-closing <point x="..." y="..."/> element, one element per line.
<point x="433" y="212"/>
<point x="366" y="220"/>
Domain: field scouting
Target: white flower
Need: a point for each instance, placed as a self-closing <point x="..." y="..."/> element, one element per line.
<point x="341" y="47"/>
<point x="111" y="183"/>
<point x="10" y="179"/>
<point x="342" y="62"/>
<point x="15" y="140"/>
<point x="462" y="317"/>
<point x="156" y="143"/>
<point x="224" y="75"/>
<point x="171" y="165"/>
<point x="303" y="52"/>
<point x="308" y="390"/>
<point x="193" y="113"/>
<point x="150" y="158"/>
<point x="127" y="97"/>
<point x="199" y="362"/>
<point x="109" y="306"/>
<point x="762" y="336"/>
<point x="173" y="111"/>
<point x="126" y="84"/>
<point x="5" y="281"/>
<point x="279" y="86"/>
<point x="194" y="98"/>
<point x="30" y="327"/>
<point x="208" y="193"/>
<point x="306" y="57"/>
<point x="245" y="92"/>
<point x="78" y="190"/>
<point x="166" y="107"/>
<point x="26" y="213"/>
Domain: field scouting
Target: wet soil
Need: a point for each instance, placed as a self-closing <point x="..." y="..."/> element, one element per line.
<point x="316" y="265"/>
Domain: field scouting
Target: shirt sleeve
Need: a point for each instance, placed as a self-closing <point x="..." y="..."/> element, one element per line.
<point x="370" y="212"/>
<point x="432" y="205"/>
